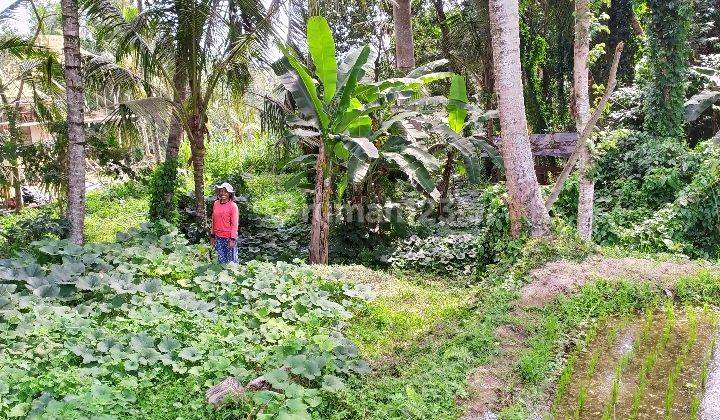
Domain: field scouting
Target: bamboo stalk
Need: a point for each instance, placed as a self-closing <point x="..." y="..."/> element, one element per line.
<point x="587" y="131"/>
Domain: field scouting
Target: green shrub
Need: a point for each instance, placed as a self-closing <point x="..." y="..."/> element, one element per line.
<point x="18" y="234"/>
<point x="131" y="328"/>
<point x="474" y="238"/>
<point x="163" y="188"/>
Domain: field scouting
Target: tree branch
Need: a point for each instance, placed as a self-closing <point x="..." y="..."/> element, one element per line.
<point x="587" y="131"/>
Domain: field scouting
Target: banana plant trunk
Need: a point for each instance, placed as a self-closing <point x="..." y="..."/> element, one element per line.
<point x="525" y="200"/>
<point x="320" y="224"/>
<point x="197" y="150"/>
<point x="75" y="120"/>
<point x="444" y="186"/>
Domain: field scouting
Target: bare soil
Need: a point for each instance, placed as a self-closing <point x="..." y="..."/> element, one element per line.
<point x="564" y="277"/>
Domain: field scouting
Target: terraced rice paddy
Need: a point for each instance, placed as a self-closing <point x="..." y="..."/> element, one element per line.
<point x="653" y="366"/>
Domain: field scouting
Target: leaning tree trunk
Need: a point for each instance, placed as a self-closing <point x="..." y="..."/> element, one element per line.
<point x="523" y="188"/>
<point x="404" y="47"/>
<point x="75" y="120"/>
<point x="582" y="108"/>
<point x="320" y="224"/>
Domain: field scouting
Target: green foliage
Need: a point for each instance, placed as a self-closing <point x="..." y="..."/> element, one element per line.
<point x="668" y="54"/>
<point x="425" y="379"/>
<point x="115" y="209"/>
<point x="17" y="234"/>
<point x="654" y="195"/>
<point x="130" y="328"/>
<point x="163" y="190"/>
<point x="463" y="245"/>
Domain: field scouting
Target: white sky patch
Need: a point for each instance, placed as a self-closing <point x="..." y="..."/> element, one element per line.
<point x="20" y="22"/>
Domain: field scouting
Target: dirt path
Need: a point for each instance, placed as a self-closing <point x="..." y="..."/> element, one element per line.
<point x="562" y="277"/>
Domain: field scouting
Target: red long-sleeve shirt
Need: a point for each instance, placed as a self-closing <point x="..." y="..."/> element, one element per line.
<point x="225" y="219"/>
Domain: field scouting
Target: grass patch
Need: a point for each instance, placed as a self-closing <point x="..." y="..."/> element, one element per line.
<point x="270" y="197"/>
<point x="426" y="376"/>
<point x="113" y="210"/>
<point x="404" y="312"/>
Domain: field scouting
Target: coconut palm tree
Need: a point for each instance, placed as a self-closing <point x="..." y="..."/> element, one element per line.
<point x="190" y="49"/>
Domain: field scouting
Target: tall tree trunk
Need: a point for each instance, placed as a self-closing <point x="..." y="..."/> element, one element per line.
<point x="404" y="47"/>
<point x="197" y="150"/>
<point x="523" y="189"/>
<point x="180" y="95"/>
<point x="75" y="120"/>
<point x="444" y="31"/>
<point x="581" y="93"/>
<point x="320" y="224"/>
<point x="12" y="112"/>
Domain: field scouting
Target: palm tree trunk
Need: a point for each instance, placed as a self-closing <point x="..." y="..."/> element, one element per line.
<point x="320" y="224"/>
<point x="523" y="189"/>
<point x="404" y="47"/>
<point x="11" y="112"/>
<point x="582" y="108"/>
<point x="197" y="149"/>
<point x="75" y="120"/>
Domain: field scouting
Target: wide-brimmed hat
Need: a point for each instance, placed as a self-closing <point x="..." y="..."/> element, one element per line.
<point x="228" y="187"/>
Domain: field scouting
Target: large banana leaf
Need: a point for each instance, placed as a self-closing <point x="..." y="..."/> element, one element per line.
<point x="416" y="172"/>
<point x="364" y="144"/>
<point x="491" y="151"/>
<point x="322" y="50"/>
<point x="351" y="72"/>
<point x="302" y="87"/>
<point x="358" y="164"/>
<point x="427" y="68"/>
<point x="457" y="112"/>
<point x="469" y="156"/>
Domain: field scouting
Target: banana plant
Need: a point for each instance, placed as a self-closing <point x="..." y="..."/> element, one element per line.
<point x="334" y="111"/>
<point x="462" y="117"/>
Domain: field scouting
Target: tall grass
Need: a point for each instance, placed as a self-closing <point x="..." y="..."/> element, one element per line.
<point x="226" y="156"/>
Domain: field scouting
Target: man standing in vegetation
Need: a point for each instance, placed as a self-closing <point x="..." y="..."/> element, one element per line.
<point x="225" y="218"/>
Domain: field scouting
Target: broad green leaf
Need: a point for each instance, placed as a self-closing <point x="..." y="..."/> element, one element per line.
<point x="366" y="145"/>
<point x="456" y="106"/>
<point x="427" y="68"/>
<point x="168" y="345"/>
<point x="332" y="383"/>
<point x="349" y="78"/>
<point x="416" y="172"/>
<point x="19" y="410"/>
<point x="322" y="50"/>
<point x="340" y="151"/>
<point x="142" y="341"/>
<point x="190" y="354"/>
<point x="297" y="80"/>
<point x="278" y="378"/>
<point x="361" y="127"/>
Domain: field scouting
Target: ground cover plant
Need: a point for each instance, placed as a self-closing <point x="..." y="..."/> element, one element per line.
<point x="92" y="330"/>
